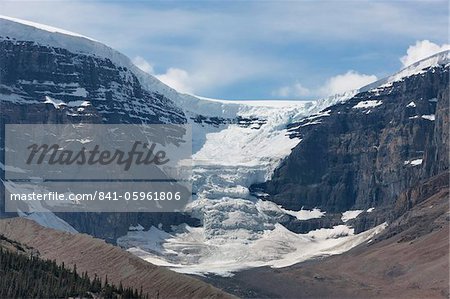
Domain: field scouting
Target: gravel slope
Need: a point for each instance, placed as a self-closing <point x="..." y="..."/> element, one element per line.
<point x="96" y="256"/>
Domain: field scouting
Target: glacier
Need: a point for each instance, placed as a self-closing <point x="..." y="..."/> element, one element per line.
<point x="237" y="230"/>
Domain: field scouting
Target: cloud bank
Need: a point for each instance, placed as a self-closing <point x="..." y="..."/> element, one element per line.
<point x="352" y="80"/>
<point x="178" y="79"/>
<point x="143" y="64"/>
<point x="422" y="49"/>
<point x="248" y="49"/>
<point x="349" y="81"/>
<point x="335" y="85"/>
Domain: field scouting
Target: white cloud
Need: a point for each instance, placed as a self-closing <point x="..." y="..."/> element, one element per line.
<point x="338" y="84"/>
<point x="300" y="20"/>
<point x="352" y="80"/>
<point x="210" y="71"/>
<point x="422" y="49"/>
<point x="143" y="64"/>
<point x="178" y="79"/>
<point x="222" y="48"/>
<point x="349" y="81"/>
<point x="293" y="91"/>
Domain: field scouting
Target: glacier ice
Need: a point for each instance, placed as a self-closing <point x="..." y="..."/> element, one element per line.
<point x="239" y="231"/>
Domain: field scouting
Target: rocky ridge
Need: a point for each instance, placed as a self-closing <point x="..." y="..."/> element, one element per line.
<point x="365" y="152"/>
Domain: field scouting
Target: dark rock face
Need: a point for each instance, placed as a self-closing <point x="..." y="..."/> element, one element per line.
<point x="110" y="226"/>
<point x="305" y="226"/>
<point x="357" y="158"/>
<point x="245" y="122"/>
<point x="31" y="75"/>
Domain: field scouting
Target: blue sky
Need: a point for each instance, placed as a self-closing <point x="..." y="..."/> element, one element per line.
<point x="256" y="49"/>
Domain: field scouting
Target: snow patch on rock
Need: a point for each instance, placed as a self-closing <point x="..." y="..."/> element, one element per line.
<point x="367" y="104"/>
<point x="415" y="162"/>
<point x="430" y="117"/>
<point x="305" y="214"/>
<point x="348" y="215"/>
<point x="58" y="104"/>
<point x="411" y="104"/>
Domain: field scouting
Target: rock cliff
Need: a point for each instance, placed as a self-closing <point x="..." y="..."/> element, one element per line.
<point x="367" y="151"/>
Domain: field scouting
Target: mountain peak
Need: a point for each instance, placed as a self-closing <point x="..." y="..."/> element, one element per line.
<point x="44" y="35"/>
<point x="42" y="27"/>
<point x="440" y="58"/>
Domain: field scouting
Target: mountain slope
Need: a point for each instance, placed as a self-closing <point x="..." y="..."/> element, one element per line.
<point x="370" y="149"/>
<point x="97" y="257"/>
<point x="49" y="76"/>
<point x="409" y="260"/>
<point x="23" y="274"/>
<point x="82" y="80"/>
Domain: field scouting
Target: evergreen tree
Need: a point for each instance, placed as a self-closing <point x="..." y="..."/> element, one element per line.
<point x="27" y="276"/>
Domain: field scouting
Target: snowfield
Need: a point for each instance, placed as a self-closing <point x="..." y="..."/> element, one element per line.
<point x="188" y="251"/>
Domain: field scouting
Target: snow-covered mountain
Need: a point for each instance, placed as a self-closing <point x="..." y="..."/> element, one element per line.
<point x="239" y="231"/>
<point x="50" y="75"/>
